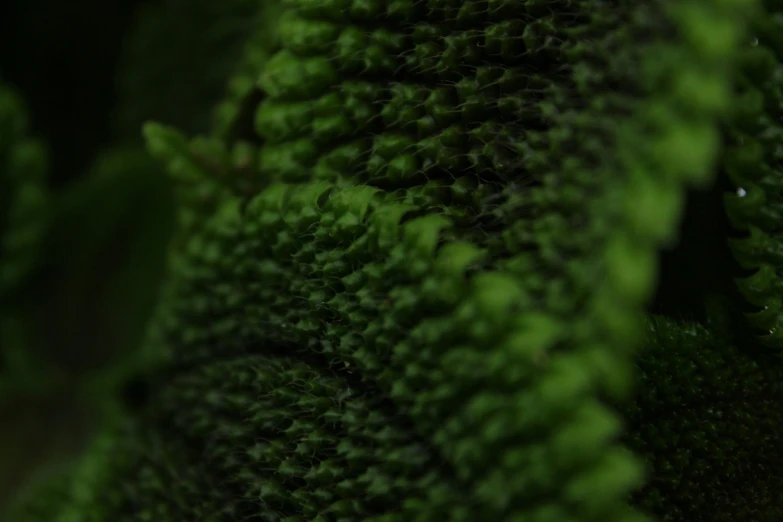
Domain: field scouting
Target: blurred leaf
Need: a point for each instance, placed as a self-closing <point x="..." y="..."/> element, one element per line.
<point x="106" y="261"/>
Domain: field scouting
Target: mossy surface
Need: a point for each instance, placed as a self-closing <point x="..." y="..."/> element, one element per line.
<point x="410" y="264"/>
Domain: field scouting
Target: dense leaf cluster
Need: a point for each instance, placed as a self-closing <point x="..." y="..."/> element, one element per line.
<point x="412" y="262"/>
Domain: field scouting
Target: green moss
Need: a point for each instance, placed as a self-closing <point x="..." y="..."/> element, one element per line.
<point x="706" y="422"/>
<point x="751" y="163"/>
<point x="412" y="263"/>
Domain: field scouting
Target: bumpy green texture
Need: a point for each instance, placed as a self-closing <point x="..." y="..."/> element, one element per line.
<point x="707" y="420"/>
<point x="752" y="160"/>
<point x="415" y="288"/>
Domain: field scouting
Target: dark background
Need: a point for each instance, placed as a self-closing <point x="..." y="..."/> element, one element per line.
<point x="91" y="73"/>
<point x="62" y="57"/>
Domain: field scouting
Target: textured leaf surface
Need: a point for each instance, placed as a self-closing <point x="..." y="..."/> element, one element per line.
<point x="414" y="288"/>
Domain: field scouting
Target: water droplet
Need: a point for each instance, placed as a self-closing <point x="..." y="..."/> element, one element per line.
<point x="741" y="192"/>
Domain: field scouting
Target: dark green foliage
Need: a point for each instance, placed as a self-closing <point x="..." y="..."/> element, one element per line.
<point x="177" y="59"/>
<point x="66" y="314"/>
<point x="24" y="220"/>
<point x="752" y="159"/>
<point x="103" y="274"/>
<point x="23" y="194"/>
<point x="706" y="421"/>
<point x="411" y="262"/>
